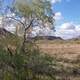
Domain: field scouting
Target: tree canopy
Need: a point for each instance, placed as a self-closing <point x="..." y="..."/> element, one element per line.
<point x="35" y="8"/>
<point x="30" y="10"/>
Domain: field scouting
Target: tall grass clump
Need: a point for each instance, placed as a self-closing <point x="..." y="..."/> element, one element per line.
<point x="30" y="64"/>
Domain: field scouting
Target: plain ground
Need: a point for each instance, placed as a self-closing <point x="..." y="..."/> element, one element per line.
<point x="67" y="54"/>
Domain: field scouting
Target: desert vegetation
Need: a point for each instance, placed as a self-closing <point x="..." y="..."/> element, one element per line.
<point x="20" y="57"/>
<point x="40" y="61"/>
<point x="66" y="54"/>
<point x="25" y="58"/>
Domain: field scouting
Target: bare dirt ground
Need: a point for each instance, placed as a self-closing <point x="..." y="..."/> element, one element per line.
<point x="67" y="54"/>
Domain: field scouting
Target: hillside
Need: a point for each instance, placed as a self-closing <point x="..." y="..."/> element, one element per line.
<point x="47" y="38"/>
<point x="8" y="39"/>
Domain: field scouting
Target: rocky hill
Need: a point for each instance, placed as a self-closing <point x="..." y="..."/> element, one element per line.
<point x="7" y="38"/>
<point x="47" y="38"/>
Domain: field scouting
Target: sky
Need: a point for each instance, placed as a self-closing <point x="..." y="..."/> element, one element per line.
<point x="67" y="17"/>
<point x="69" y="9"/>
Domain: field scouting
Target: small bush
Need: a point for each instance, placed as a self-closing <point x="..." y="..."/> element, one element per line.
<point x="31" y="65"/>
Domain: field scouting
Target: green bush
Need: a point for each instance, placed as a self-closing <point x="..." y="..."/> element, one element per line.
<point x="31" y="65"/>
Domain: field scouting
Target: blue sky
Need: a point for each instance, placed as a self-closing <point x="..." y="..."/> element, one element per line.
<point x="70" y="10"/>
<point x="5" y="4"/>
<point x="8" y="2"/>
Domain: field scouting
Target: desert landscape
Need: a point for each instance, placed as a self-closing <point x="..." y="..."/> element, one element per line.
<point x="39" y="39"/>
<point x="66" y="49"/>
<point x="67" y="54"/>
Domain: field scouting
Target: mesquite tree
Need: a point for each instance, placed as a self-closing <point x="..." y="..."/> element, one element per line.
<point x="30" y="10"/>
<point x="34" y="9"/>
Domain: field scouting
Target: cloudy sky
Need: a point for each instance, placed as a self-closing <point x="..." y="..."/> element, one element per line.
<point x="67" y="16"/>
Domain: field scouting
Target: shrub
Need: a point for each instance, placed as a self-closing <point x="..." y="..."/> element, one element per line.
<point x="31" y="65"/>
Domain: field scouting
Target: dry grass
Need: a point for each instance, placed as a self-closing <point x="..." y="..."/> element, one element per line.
<point x="69" y="50"/>
<point x="67" y="53"/>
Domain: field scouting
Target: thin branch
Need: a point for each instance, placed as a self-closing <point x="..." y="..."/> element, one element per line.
<point x="29" y="25"/>
<point x="22" y="22"/>
<point x="17" y="20"/>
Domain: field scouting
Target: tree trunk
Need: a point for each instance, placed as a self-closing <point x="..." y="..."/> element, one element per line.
<point x="25" y="40"/>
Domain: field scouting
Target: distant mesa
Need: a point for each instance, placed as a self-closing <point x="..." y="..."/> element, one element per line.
<point x="77" y="38"/>
<point x="53" y="38"/>
<point x="47" y="38"/>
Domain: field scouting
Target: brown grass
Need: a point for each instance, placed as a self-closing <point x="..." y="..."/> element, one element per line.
<point x="69" y="50"/>
<point x="67" y="54"/>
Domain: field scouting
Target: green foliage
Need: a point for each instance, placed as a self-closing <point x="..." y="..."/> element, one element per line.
<point x="24" y="10"/>
<point x="32" y="65"/>
<point x="36" y="8"/>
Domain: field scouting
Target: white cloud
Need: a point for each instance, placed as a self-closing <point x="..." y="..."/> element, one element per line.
<point x="45" y="31"/>
<point x="67" y="26"/>
<point x="58" y="16"/>
<point x="68" y="31"/>
<point x="54" y="1"/>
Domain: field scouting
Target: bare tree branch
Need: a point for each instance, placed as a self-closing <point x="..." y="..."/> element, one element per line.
<point x="29" y="25"/>
<point x="17" y="21"/>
